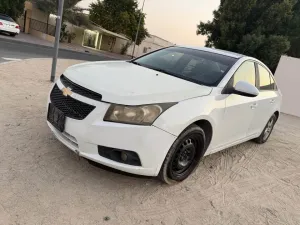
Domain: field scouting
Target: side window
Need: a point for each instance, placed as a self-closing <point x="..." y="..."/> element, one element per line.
<point x="246" y="72"/>
<point x="264" y="79"/>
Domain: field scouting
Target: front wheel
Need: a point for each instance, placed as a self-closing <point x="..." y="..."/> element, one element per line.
<point x="184" y="155"/>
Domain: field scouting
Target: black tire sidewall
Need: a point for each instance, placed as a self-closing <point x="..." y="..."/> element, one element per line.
<point x="163" y="174"/>
<point x="274" y="119"/>
<point x="261" y="139"/>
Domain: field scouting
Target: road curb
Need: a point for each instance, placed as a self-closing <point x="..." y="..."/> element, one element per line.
<point x="9" y="62"/>
<point x="31" y="59"/>
<point x="52" y="47"/>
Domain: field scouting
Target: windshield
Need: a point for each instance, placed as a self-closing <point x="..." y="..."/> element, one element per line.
<point x="7" y="18"/>
<point x="194" y="65"/>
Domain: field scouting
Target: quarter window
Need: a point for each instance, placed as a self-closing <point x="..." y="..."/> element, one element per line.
<point x="264" y="79"/>
<point x="273" y="84"/>
<point x="246" y="72"/>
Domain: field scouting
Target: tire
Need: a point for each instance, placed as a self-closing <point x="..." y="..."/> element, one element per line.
<point x="265" y="134"/>
<point x="13" y="35"/>
<point x="183" y="156"/>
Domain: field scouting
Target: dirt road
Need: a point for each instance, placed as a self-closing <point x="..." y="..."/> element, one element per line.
<point x="42" y="182"/>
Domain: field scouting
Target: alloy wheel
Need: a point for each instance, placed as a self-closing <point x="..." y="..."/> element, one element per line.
<point x="268" y="129"/>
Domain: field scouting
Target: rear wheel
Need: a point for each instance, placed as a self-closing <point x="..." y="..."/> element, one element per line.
<point x="13" y="35"/>
<point x="264" y="136"/>
<point x="184" y="155"/>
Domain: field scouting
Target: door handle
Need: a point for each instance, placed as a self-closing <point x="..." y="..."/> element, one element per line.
<point x="272" y="101"/>
<point x="253" y="106"/>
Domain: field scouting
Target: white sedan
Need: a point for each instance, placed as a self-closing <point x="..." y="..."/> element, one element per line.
<point x="159" y="114"/>
<point x="8" y="25"/>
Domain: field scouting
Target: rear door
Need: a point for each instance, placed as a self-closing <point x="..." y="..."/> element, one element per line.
<point x="267" y="100"/>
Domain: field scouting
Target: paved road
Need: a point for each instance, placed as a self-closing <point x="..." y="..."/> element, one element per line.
<point x="11" y="50"/>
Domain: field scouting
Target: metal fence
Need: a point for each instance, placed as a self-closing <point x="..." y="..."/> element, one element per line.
<point x="42" y="27"/>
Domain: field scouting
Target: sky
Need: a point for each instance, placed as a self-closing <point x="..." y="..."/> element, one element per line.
<point x="175" y="20"/>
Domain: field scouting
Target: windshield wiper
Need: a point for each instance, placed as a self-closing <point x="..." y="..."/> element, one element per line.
<point x="136" y="63"/>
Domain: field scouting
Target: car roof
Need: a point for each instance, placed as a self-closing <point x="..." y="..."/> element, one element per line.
<point x="217" y="51"/>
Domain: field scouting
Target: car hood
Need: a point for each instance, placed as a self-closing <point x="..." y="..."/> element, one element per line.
<point x="129" y="84"/>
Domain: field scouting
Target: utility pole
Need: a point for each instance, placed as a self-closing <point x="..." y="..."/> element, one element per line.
<point x="57" y="37"/>
<point x="138" y="29"/>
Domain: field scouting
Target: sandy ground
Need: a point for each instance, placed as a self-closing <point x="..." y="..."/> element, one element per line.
<point x="42" y="182"/>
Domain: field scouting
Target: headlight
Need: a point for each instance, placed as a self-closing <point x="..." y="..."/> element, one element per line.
<point x="140" y="115"/>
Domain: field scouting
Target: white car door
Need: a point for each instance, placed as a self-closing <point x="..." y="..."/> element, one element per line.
<point x="239" y="111"/>
<point x="267" y="101"/>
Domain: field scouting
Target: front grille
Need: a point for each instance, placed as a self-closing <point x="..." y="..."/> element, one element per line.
<point x="80" y="90"/>
<point x="71" y="107"/>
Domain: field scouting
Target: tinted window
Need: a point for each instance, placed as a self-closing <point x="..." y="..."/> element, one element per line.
<point x="194" y="65"/>
<point x="172" y="57"/>
<point x="7" y="18"/>
<point x="246" y="72"/>
<point x="264" y="78"/>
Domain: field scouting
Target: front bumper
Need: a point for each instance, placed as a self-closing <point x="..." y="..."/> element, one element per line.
<point x="84" y="136"/>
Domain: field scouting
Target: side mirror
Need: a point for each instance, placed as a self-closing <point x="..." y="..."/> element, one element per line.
<point x="245" y="89"/>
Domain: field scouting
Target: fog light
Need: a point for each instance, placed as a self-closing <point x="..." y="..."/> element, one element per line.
<point x="119" y="155"/>
<point x="124" y="156"/>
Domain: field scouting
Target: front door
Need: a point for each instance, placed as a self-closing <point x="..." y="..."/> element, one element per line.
<point x="239" y="111"/>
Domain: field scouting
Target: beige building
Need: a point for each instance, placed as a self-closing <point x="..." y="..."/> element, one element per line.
<point x="98" y="38"/>
<point x="36" y="22"/>
<point x="150" y="44"/>
<point x="40" y="24"/>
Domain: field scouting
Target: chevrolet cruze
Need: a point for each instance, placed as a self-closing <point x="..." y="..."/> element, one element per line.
<point x="159" y="114"/>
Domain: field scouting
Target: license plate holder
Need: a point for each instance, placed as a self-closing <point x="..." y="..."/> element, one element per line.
<point x="56" y="117"/>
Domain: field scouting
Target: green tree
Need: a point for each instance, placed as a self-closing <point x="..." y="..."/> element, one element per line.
<point x="71" y="13"/>
<point x="294" y="50"/>
<point x="120" y="16"/>
<point x="13" y="8"/>
<point x="51" y="6"/>
<point x="77" y="17"/>
<point x="259" y="28"/>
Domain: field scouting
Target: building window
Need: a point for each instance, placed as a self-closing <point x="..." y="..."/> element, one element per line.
<point x="145" y="50"/>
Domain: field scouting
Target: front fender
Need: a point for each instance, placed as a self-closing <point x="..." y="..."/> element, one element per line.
<point x="183" y="114"/>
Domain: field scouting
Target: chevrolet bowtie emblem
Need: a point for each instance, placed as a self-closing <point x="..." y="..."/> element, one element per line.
<point x="67" y="92"/>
